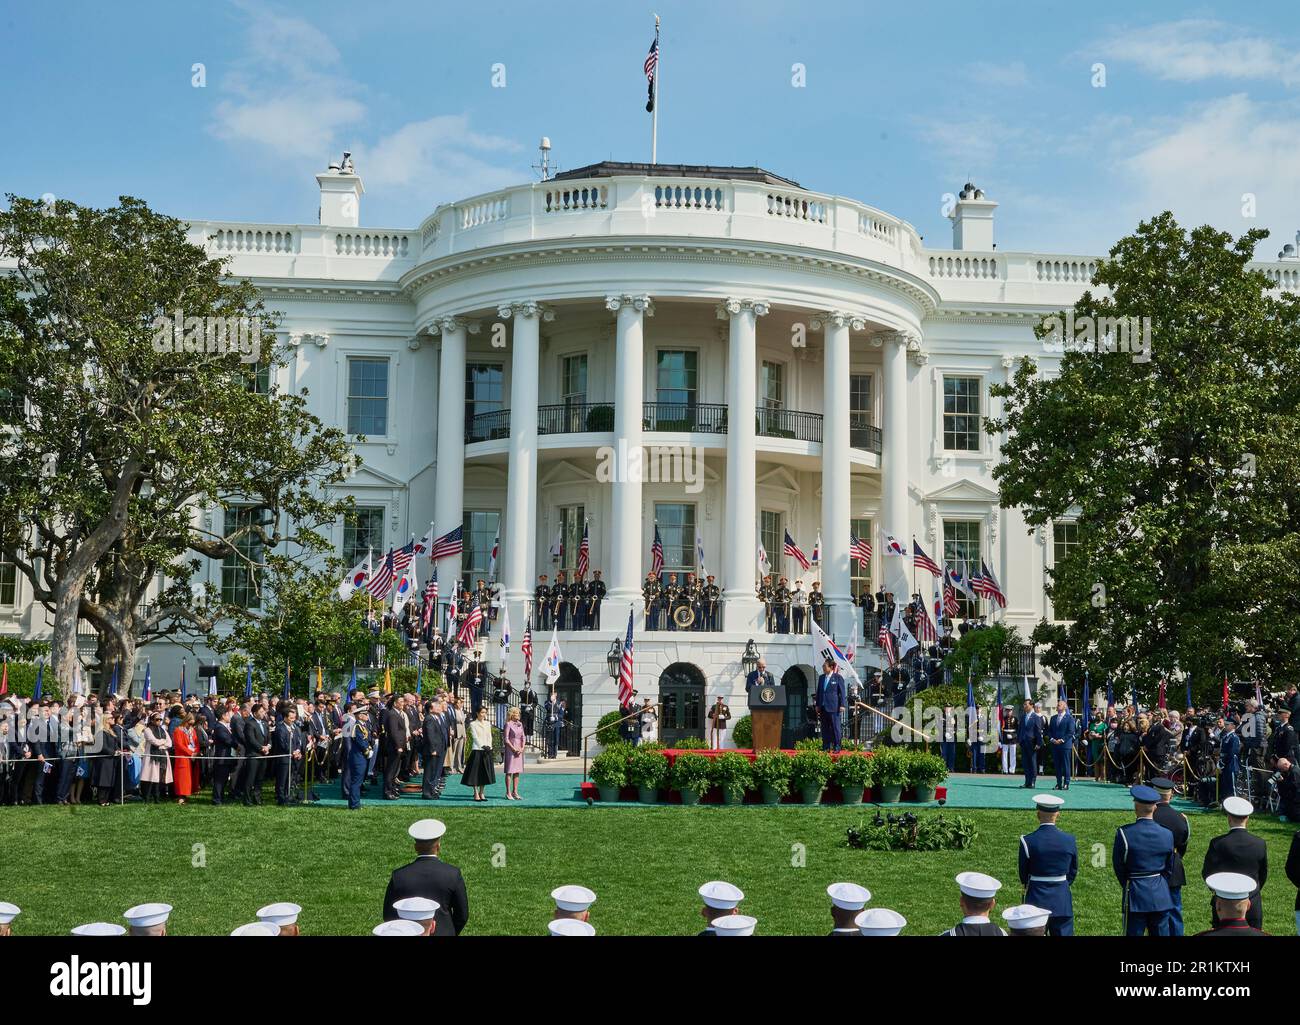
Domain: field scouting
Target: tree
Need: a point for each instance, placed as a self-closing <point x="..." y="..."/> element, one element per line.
<point x="1178" y="463"/>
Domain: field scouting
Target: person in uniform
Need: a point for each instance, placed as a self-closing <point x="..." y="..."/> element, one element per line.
<point x="847" y="902"/>
<point x="691" y="598"/>
<point x="1142" y="857"/>
<point x="1176" y="822"/>
<point x="879" y="922"/>
<point x="360" y="750"/>
<point x="1030" y="737"/>
<point x="868" y="606"/>
<point x="712" y="597"/>
<point x="719" y="716"/>
<point x="799" y="607"/>
<point x="578" y="605"/>
<point x="720" y="900"/>
<point x="1240" y="852"/>
<point x="978" y="898"/>
<point x="1026" y="920"/>
<point x="569" y="927"/>
<point x="781" y="602"/>
<point x="420" y="910"/>
<point x="672" y="596"/>
<point x="831" y="701"/>
<point x="650" y="592"/>
<point x="428" y="876"/>
<point x="734" y="925"/>
<point x="560" y="601"/>
<point x="572" y="903"/>
<point x="595" y="595"/>
<point x="483" y="599"/>
<point x="1049" y="861"/>
<point x="767" y="594"/>
<point x="8" y="912"/>
<point x="283" y="915"/>
<point x="1231" y="900"/>
<point x="1229" y="759"/>
<point x="147" y="919"/>
<point x="1061" y="734"/>
<point x="542" y="603"/>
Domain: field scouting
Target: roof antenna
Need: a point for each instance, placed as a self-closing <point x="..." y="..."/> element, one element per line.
<point x="543" y="165"/>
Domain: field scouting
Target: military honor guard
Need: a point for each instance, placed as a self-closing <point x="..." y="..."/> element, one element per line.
<point x="847" y="902"/>
<point x="283" y="916"/>
<point x="978" y="897"/>
<point x="1142" y="857"/>
<point x="767" y="595"/>
<point x="734" y="925"/>
<point x="428" y="876"/>
<point x="572" y="903"/>
<point x="1231" y="900"/>
<point x="817" y="605"/>
<point x="671" y="598"/>
<point x="596" y="592"/>
<point x="8" y="912"/>
<point x="560" y="602"/>
<point x="542" y="603"/>
<point x="421" y="910"/>
<point x="719" y="716"/>
<point x="1049" y="861"/>
<point x="880" y="922"/>
<point x="650" y="591"/>
<point x="1240" y="852"/>
<point x="1026" y="920"/>
<point x="398" y="927"/>
<point x="360" y="751"/>
<point x="712" y="600"/>
<point x="1176" y="822"/>
<point x="147" y="919"/>
<point x="1030" y="738"/>
<point x="781" y="602"/>
<point x="569" y="927"/>
<point x="1061" y="733"/>
<point x="720" y="900"/>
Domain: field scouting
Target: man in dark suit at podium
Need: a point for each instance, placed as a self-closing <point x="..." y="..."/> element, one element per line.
<point x="760" y="677"/>
<point x="830" y="705"/>
<point x="429" y="877"/>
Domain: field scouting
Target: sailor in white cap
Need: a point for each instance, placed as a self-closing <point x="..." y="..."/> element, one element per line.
<point x="1232" y="892"/>
<point x="734" y="925"/>
<point x="147" y="919"/>
<point x="720" y="898"/>
<point x="8" y="912"/>
<point x="847" y="902"/>
<point x="429" y="876"/>
<point x="100" y="929"/>
<point x="570" y="927"/>
<point x="1239" y="851"/>
<point x="1049" y="861"/>
<point x="284" y="915"/>
<point x="398" y="927"/>
<point x="257" y="929"/>
<point x="1027" y="920"/>
<point x="572" y="902"/>
<point x="978" y="898"/>
<point x="418" y="909"/>
<point x="880" y="922"/>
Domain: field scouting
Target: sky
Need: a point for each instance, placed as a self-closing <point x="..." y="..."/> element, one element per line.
<point x="1079" y="119"/>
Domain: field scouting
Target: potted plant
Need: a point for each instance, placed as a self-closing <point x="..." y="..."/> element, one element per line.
<point x="647" y="770"/>
<point x="809" y="772"/>
<point x="609" y="773"/>
<point x="890" y="773"/>
<point x="692" y="776"/>
<point x="924" y="774"/>
<point x="853" y="772"/>
<point x="734" y="775"/>
<point x="742" y="734"/>
<point x="772" y="775"/>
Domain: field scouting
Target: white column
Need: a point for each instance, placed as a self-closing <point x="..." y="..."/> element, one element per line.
<point x="895" y="504"/>
<point x="625" y="532"/>
<point x="836" y="481"/>
<point x="448" y="499"/>
<point x="741" y="609"/>
<point x="519" y="543"/>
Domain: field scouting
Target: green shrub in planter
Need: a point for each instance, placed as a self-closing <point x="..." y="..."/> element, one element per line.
<point x="692" y="744"/>
<point x="607" y="734"/>
<point x="808" y="744"/>
<point x="600" y="418"/>
<point x="609" y="773"/>
<point x="925" y="771"/>
<point x="647" y="769"/>
<point x="692" y="775"/>
<point x="772" y="775"/>
<point x="889" y="772"/>
<point x="810" y="769"/>
<point x="742" y="734"/>
<point x="853" y="773"/>
<point x="733" y="773"/>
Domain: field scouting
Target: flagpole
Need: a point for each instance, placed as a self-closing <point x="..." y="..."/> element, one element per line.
<point x="654" y="114"/>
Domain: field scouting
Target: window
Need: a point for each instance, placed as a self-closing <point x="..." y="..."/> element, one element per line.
<point x="961" y="414"/>
<point x="961" y="550"/>
<point x="676" y="523"/>
<point x="363" y="531"/>
<point x="1065" y="539"/>
<point x="573" y="380"/>
<point x="368" y="397"/>
<point x="771" y="385"/>
<point x="8" y="582"/>
<point x="860" y="575"/>
<point x="484" y="389"/>
<point x="861" y="410"/>
<point x="239" y="578"/>
<point x="481" y="532"/>
<point x="258" y="379"/>
<point x="572" y="518"/>
<point x="771" y="533"/>
<point x="677" y="378"/>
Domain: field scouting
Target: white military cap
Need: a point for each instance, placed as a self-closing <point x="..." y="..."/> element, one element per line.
<point x="8" y="912"/>
<point x="573" y="898"/>
<point x="416" y="909"/>
<point x="144" y="915"/>
<point x="99" y="929"/>
<point x="1231" y="885"/>
<point x="398" y="927"/>
<point x="570" y="927"/>
<point x="880" y="922"/>
<point x="849" y="896"/>
<point x="427" y="829"/>
<point x="735" y="925"/>
<point x="1238" y="806"/>
<point x="978" y="885"/>
<point x="1048" y="802"/>
<point x="720" y="895"/>
<point x="1026" y="916"/>
<point x="257" y="929"/>
<point x="284" y="913"/>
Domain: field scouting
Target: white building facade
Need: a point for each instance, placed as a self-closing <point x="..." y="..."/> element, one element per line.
<point x="501" y="360"/>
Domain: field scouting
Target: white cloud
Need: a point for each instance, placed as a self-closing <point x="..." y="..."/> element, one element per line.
<point x="1195" y="50"/>
<point x="1009" y="75"/>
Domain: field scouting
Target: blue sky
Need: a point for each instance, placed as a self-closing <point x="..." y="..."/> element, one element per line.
<point x="902" y="104"/>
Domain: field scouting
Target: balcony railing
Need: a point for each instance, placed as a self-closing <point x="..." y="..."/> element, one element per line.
<point x="862" y="435"/>
<point x="689" y="417"/>
<point x="487" y="426"/>
<point x="789" y="423"/>
<point x="575" y="418"/>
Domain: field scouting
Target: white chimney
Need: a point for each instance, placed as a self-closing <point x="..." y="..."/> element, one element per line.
<point x="340" y="195"/>
<point x="972" y="220"/>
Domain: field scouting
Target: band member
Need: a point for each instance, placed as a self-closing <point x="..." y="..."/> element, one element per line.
<point x="719" y="716"/>
<point x="691" y="598"/>
<point x="712" y="595"/>
<point x="483" y="598"/>
<point x="781" y="602"/>
<point x="542" y="603"/>
<point x="578" y="605"/>
<point x="672" y="596"/>
<point x="650" y="592"/>
<point x="766" y="594"/>
<point x="799" y="607"/>
<point x="817" y="604"/>
<point x="595" y="595"/>
<point x="560" y="601"/>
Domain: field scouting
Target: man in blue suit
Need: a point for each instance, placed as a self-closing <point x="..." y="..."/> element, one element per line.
<point x="830" y="704"/>
<point x="1061" y="733"/>
<point x="1229" y="759"/>
<point x="1031" y="736"/>
<point x="1143" y="857"/>
<point x="1049" y="861"/>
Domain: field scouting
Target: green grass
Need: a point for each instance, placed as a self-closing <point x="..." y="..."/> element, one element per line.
<point x="66" y="866"/>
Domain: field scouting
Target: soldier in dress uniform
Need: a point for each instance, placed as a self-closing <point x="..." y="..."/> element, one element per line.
<point x="712" y="597"/>
<point x="978" y="899"/>
<point x="691" y="598"/>
<point x="799" y="607"/>
<point x="766" y="594"/>
<point x="1232" y="892"/>
<point x="1238" y="851"/>
<point x="817" y="605"/>
<point x="719" y="716"/>
<point x="720" y="900"/>
<point x="672" y="594"/>
<point x="847" y="902"/>
<point x="1142" y="857"/>
<point x="1026" y="920"/>
<point x="650" y="592"/>
<point x="880" y="922"/>
<point x="560" y="601"/>
<point x="868" y="604"/>
<point x="578" y="605"/>
<point x="572" y="903"/>
<point x="483" y="598"/>
<point x="1176" y="822"/>
<point x="360" y="752"/>
<point x="1049" y="861"/>
<point x="595" y="595"/>
<point x="781" y="602"/>
<point x="542" y="603"/>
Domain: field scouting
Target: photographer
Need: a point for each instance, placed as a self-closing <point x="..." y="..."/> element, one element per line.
<point x="1283" y="743"/>
<point x="1288" y="788"/>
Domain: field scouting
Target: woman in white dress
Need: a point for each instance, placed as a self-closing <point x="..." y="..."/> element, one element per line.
<point x="478" y="766"/>
<point x="649" y="723"/>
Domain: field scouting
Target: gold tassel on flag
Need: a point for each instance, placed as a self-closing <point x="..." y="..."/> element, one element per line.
<point x="388" y="680"/>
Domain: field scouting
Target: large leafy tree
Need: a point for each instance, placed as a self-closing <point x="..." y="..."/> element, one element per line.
<point x="1181" y="469"/>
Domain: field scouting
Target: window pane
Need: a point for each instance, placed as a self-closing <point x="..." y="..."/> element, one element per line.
<point x="481" y="531"/>
<point x="772" y="534"/>
<point x="860" y="407"/>
<point x="571" y="519"/>
<point x="363" y="532"/>
<point x="8" y="582"/>
<point x="961" y="550"/>
<point x="961" y="413"/>
<point x="484" y="389"/>
<point x="239" y="572"/>
<point x="676" y="377"/>
<point x="676" y="522"/>
<point x="368" y="397"/>
<point x="772" y="385"/>
<point x="573" y="380"/>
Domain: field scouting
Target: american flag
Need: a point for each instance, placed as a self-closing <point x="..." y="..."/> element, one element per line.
<point x="925" y="631"/>
<point x="922" y="561"/>
<point x="990" y="587"/>
<point x="950" y="606"/>
<point x="625" y="668"/>
<point x="657" y="553"/>
<point x="430" y="600"/>
<point x="469" y="629"/>
<point x="584" y="555"/>
<point x="382" y="581"/>
<point x="404" y="556"/>
<point x="651" y="64"/>
<point x="886" y="642"/>
<point x="794" y="551"/>
<point x="526" y="646"/>
<point x="859" y="549"/>
<point x="451" y="543"/>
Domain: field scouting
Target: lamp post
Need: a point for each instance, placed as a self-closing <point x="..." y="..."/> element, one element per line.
<point x="749" y="660"/>
<point x="614" y="658"/>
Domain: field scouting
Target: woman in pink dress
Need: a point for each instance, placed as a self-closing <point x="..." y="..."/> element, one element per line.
<point x="512" y="753"/>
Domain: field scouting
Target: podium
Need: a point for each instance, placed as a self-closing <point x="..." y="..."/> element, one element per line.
<point x="767" y="715"/>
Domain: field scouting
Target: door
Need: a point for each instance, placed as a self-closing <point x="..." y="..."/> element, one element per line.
<point x="795" y="724"/>
<point x="681" y="692"/>
<point x="569" y="687"/>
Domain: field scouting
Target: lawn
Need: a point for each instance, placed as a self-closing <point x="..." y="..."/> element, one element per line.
<point x="65" y="866"/>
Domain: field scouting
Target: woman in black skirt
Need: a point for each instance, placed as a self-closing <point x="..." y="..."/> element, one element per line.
<point x="478" y="767"/>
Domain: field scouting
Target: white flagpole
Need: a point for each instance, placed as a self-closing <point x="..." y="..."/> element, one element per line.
<point x="654" y="114"/>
